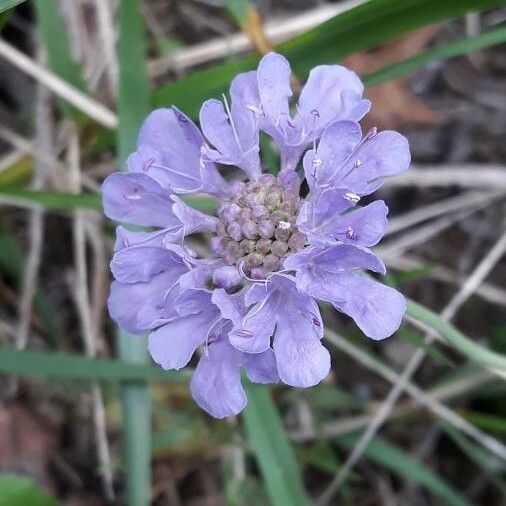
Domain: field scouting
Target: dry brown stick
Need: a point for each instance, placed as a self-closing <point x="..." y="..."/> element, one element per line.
<point x="85" y="318"/>
<point x="60" y="87"/>
<point x="353" y="423"/>
<point x="488" y="291"/>
<point x="477" y="176"/>
<point x="276" y="30"/>
<point x="43" y="127"/>
<point x="445" y="206"/>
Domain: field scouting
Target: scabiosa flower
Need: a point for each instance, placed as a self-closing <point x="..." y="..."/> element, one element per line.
<point x="248" y="297"/>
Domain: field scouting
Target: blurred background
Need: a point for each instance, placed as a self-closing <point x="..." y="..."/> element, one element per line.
<point x="85" y="419"/>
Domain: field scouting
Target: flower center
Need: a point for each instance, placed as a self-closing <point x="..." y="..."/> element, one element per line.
<point x="257" y="228"/>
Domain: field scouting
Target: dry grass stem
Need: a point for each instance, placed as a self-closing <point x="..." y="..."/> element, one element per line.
<point x="60" y="87"/>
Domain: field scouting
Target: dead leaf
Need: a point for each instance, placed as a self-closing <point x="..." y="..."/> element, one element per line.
<point x="26" y="444"/>
<point x="394" y="105"/>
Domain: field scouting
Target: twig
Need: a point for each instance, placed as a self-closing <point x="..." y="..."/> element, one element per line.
<point x="474" y="280"/>
<point x="57" y="180"/>
<point x="60" y="87"/>
<point x="421" y="234"/>
<point x="477" y="176"/>
<point x="83" y="307"/>
<point x="487" y="291"/>
<point x="43" y="128"/>
<point x="346" y="425"/>
<point x="445" y="206"/>
<point x="277" y="31"/>
<point x="107" y="39"/>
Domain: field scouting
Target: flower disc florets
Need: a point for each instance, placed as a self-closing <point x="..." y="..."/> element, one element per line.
<point x="258" y="227"/>
<point x="251" y="304"/>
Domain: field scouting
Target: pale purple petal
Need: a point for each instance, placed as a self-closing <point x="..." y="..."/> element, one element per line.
<point x="273" y="76"/>
<point x="322" y="209"/>
<point x="301" y="360"/>
<point x="231" y="306"/>
<point x="227" y="276"/>
<point x="261" y="367"/>
<point x="246" y="113"/>
<point x="216" y="383"/>
<point x="140" y="263"/>
<point x="140" y="306"/>
<point x="138" y="199"/>
<point x="315" y="263"/>
<point x="178" y="141"/>
<point x="336" y="145"/>
<point x="380" y="155"/>
<point x="323" y="221"/>
<point x="331" y="93"/>
<point x="234" y="143"/>
<point x="126" y="238"/>
<point x="173" y="345"/>
<point x="376" y="308"/>
<point x="253" y="333"/>
<point x="192" y="221"/>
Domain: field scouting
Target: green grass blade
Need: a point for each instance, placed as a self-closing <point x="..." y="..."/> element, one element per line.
<point x="54" y="200"/>
<point x="55" y="39"/>
<point x="133" y="104"/>
<point x="61" y="201"/>
<point x="400" y="463"/>
<point x="358" y="29"/>
<point x="442" y="52"/>
<point x="18" y="490"/>
<point x="471" y="350"/>
<point x="272" y="449"/>
<point x="9" y="4"/>
<point x="63" y="365"/>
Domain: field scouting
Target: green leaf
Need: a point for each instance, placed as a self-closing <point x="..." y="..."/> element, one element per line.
<point x="442" y="52"/>
<point x="9" y="4"/>
<point x="272" y="449"/>
<point x="471" y="350"/>
<point x="64" y="365"/>
<point x="56" y="42"/>
<point x="133" y="104"/>
<point x="363" y="27"/>
<point x="16" y="490"/>
<point x="400" y="463"/>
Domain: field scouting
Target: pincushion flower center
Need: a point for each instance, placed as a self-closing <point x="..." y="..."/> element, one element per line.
<point x="258" y="229"/>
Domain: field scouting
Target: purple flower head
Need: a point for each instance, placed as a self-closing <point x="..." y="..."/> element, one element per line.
<point x="245" y="294"/>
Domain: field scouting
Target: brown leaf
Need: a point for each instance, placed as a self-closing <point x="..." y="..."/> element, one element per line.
<point x="394" y="105"/>
<point x="26" y="444"/>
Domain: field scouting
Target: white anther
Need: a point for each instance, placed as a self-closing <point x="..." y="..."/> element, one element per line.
<point x="350" y="233"/>
<point x="254" y="108"/>
<point x="351" y="197"/>
<point x="284" y="225"/>
<point x="358" y="162"/>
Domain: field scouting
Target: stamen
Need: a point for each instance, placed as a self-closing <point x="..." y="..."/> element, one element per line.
<point x="358" y="162"/>
<point x="147" y="164"/>
<point x="229" y="114"/>
<point x="255" y="109"/>
<point x="350" y="233"/>
<point x="244" y="333"/>
<point x="370" y="134"/>
<point x="284" y="225"/>
<point x="352" y="197"/>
